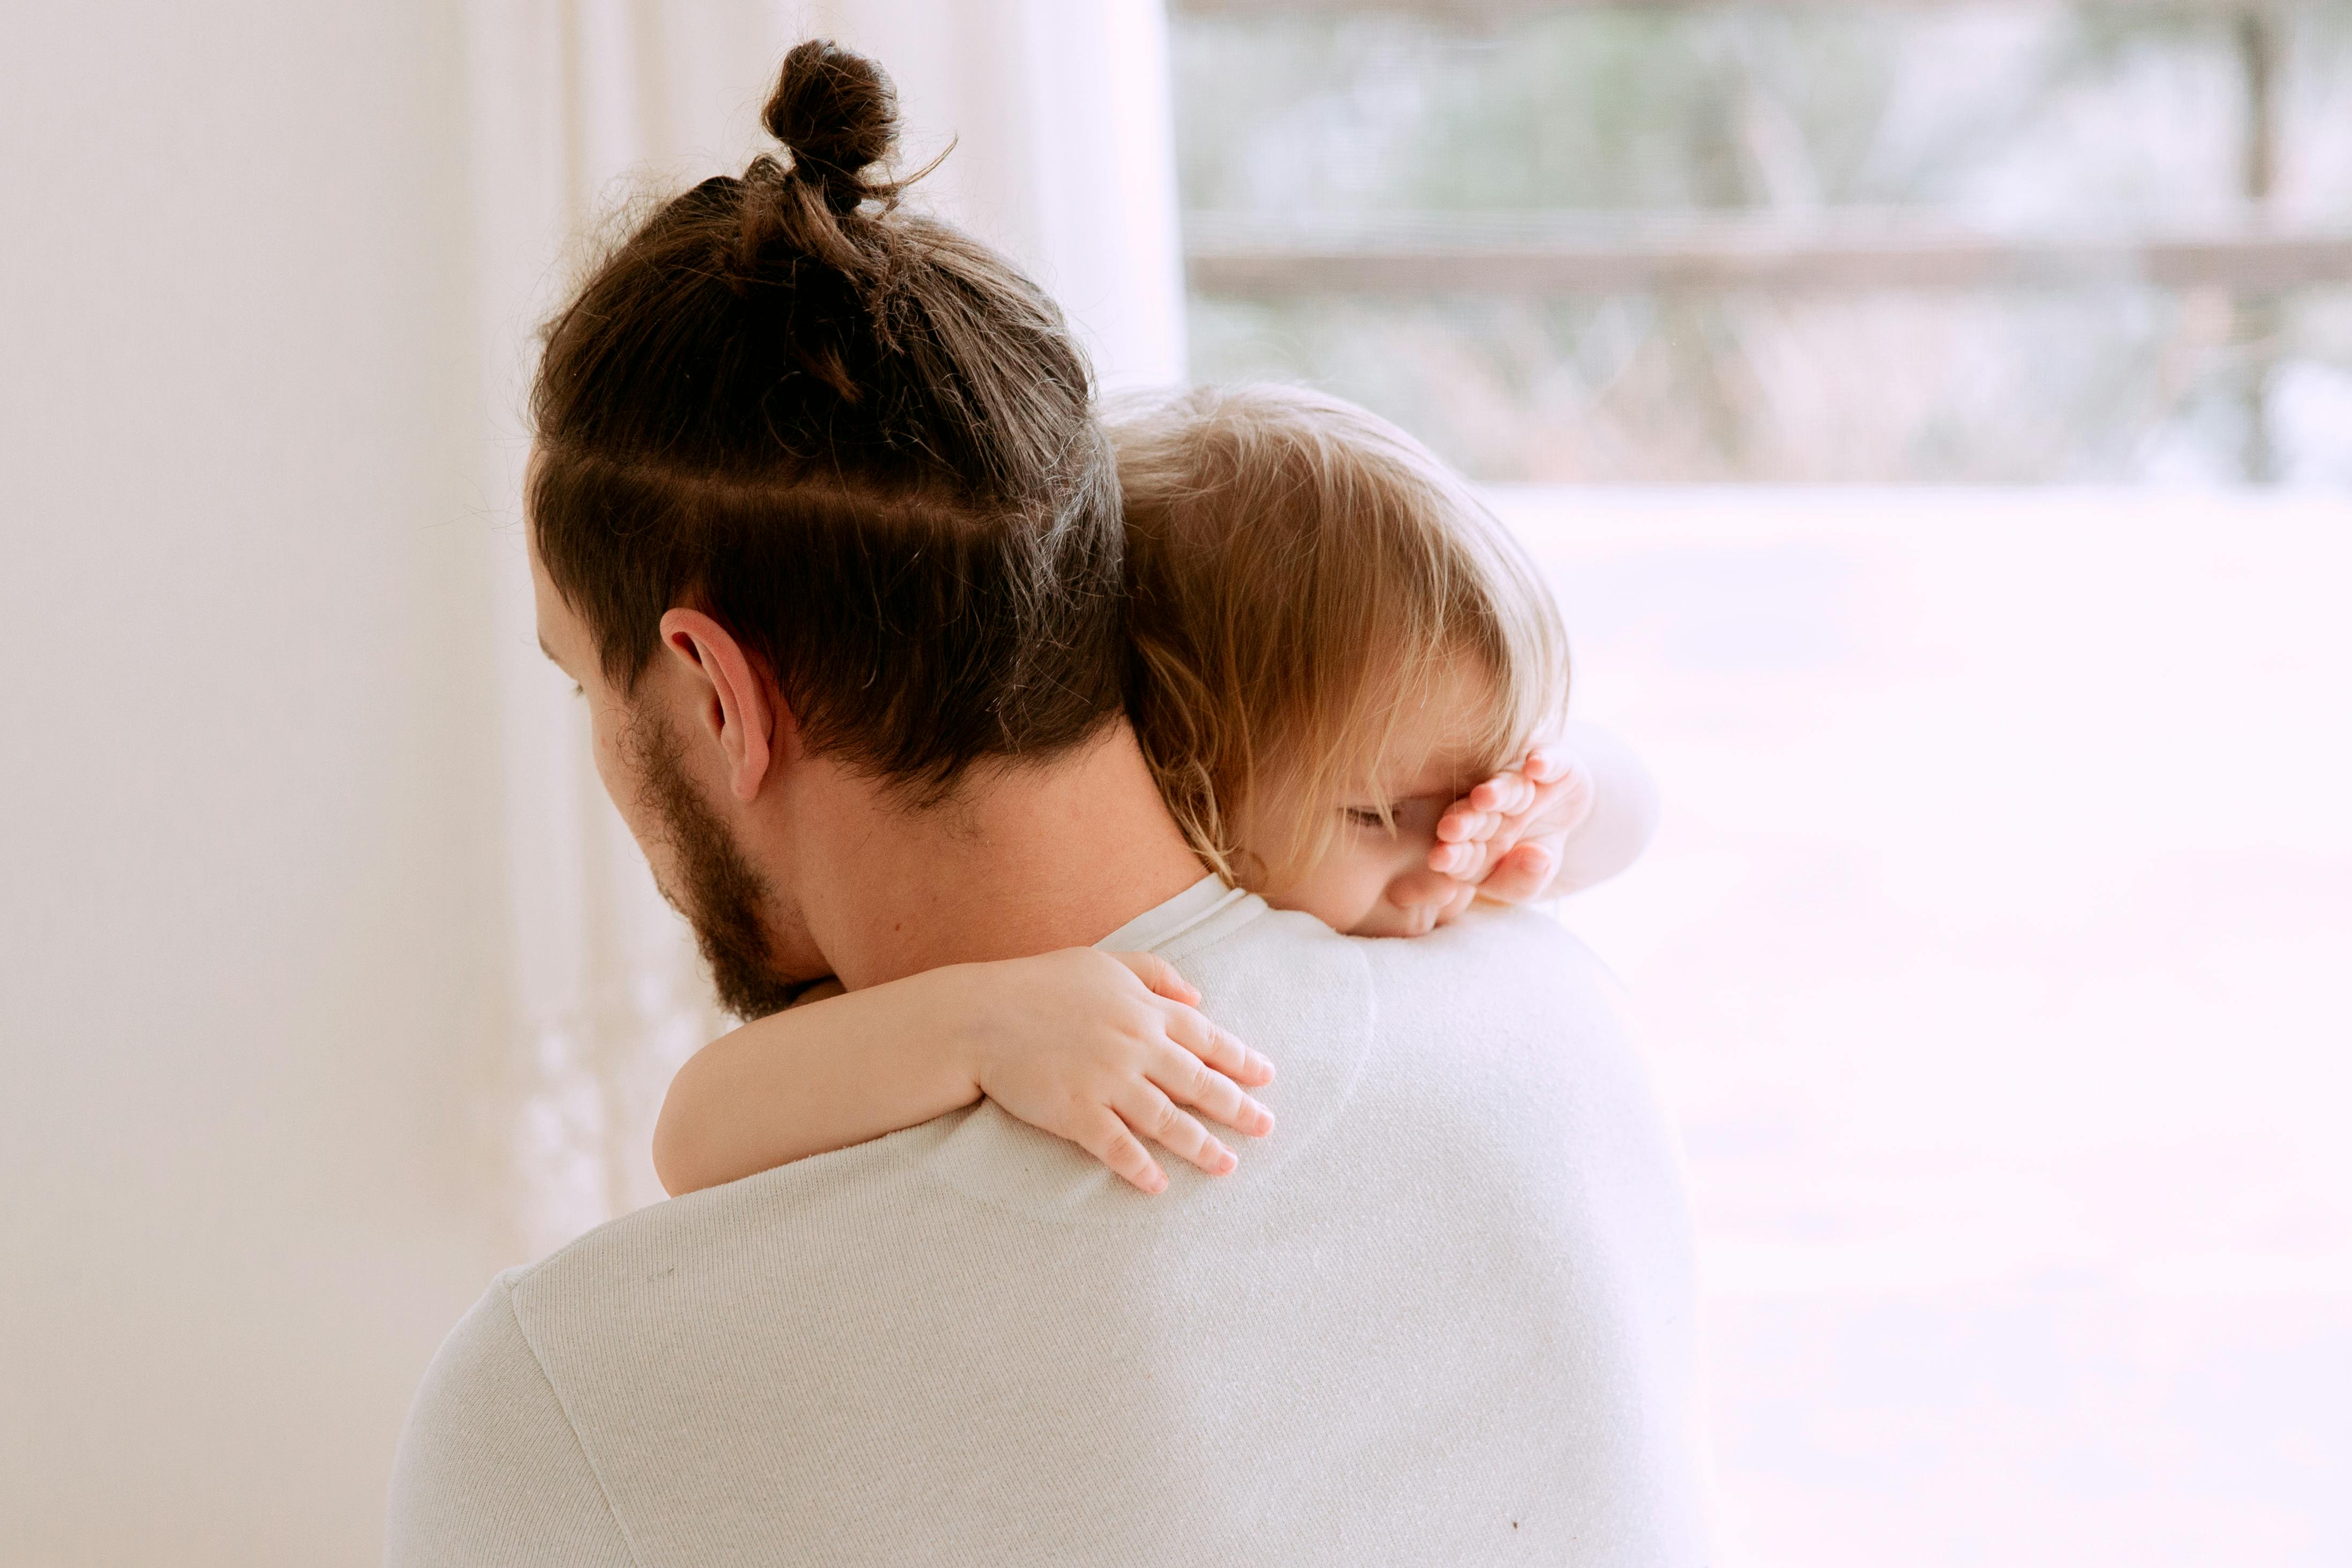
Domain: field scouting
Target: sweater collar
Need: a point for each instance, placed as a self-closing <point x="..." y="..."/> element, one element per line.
<point x="1162" y="925"/>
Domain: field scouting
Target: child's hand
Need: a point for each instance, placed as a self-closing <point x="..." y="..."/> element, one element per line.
<point x="1506" y="837"/>
<point x="1102" y="1048"/>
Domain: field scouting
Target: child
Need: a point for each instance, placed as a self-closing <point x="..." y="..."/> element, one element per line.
<point x="1341" y="661"/>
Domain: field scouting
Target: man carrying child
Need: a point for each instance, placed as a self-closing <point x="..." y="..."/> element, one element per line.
<point x="824" y="525"/>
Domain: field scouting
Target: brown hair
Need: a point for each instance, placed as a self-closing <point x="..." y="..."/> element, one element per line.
<point x="1301" y="571"/>
<point x="854" y="437"/>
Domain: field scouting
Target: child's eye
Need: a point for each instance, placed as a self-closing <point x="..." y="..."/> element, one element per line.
<point x="1363" y="816"/>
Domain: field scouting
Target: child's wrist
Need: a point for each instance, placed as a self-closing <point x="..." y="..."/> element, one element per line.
<point x="956" y="1015"/>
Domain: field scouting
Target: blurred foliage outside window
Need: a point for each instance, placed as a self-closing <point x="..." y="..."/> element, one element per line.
<point x="2023" y="123"/>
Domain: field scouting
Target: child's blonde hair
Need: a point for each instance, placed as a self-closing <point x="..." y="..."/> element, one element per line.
<point x="1302" y="571"/>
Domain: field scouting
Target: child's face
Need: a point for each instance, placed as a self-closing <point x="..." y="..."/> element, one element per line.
<point x="1375" y="879"/>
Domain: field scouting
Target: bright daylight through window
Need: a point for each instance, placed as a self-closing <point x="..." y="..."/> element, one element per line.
<point x="1990" y="949"/>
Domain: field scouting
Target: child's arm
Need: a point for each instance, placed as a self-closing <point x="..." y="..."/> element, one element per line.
<point x="1580" y="809"/>
<point x="1097" y="1048"/>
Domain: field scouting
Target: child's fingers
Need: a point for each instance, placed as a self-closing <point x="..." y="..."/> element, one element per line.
<point x="1187" y="1080"/>
<point x="1107" y="1137"/>
<point x="1161" y="976"/>
<point x="1570" y="793"/>
<point x="1473" y="862"/>
<point x="1415" y="888"/>
<point x="1191" y="1029"/>
<point x="1512" y="793"/>
<point x="1505" y="794"/>
<point x="1481" y="839"/>
<point x="1464" y="824"/>
<point x="1544" y="763"/>
<point x="1458" y="903"/>
<point x="1488" y="807"/>
<point x="1459" y="859"/>
<point x="1150" y="1113"/>
<point x="1521" y="875"/>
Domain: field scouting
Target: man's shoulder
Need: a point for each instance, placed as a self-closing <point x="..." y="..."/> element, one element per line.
<point x="487" y="1347"/>
<point x="1531" y="956"/>
<point x="490" y="1364"/>
<point x="658" y="1249"/>
<point x="1510" y="990"/>
<point x="488" y="1467"/>
<point x="1514" y="970"/>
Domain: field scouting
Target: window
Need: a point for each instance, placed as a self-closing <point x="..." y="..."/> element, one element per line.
<point x="1992" y="952"/>
<point x="1787" y="242"/>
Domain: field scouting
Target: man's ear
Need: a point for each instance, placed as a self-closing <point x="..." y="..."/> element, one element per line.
<point x="736" y="703"/>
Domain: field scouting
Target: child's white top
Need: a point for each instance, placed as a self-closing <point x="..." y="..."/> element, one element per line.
<point x="1443" y="1314"/>
<point x="1625" y="808"/>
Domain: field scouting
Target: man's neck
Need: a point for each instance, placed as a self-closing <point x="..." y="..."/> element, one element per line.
<point x="1020" y="861"/>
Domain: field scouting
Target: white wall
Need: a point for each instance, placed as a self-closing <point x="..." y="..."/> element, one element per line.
<point x="251" y="950"/>
<point x="327" y="985"/>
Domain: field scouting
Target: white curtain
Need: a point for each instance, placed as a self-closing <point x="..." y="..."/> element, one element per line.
<point x="1057" y="111"/>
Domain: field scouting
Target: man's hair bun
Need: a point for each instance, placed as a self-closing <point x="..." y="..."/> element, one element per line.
<point x="836" y="113"/>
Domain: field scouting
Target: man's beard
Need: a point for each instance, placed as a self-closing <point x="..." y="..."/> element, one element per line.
<point x="720" y="892"/>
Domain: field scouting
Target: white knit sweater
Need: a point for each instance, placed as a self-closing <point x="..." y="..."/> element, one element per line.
<point x="1444" y="1314"/>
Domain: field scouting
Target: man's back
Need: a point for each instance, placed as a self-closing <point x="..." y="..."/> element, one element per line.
<point x="1442" y="1313"/>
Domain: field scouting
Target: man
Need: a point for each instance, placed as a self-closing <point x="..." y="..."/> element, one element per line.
<point x="823" y="527"/>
